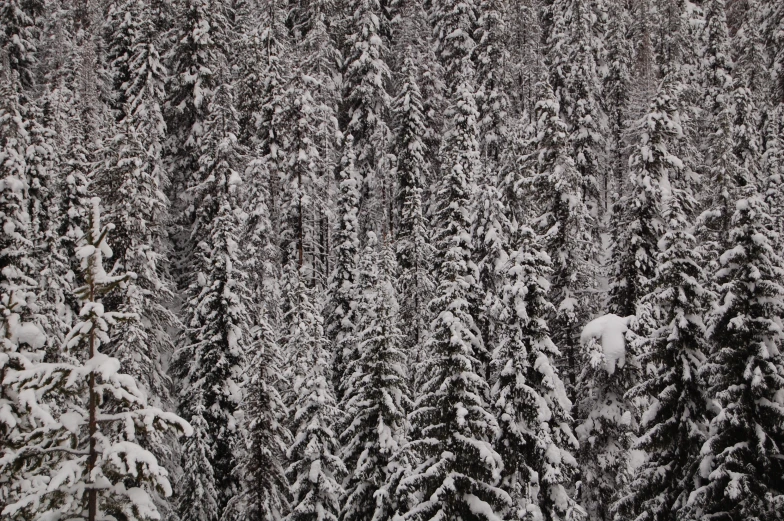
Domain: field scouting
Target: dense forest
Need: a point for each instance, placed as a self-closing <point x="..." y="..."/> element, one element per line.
<point x="392" y="260"/>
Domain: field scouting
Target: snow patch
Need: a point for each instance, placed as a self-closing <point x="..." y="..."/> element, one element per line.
<point x="610" y="330"/>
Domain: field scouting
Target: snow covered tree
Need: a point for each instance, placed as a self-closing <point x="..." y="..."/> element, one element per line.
<point x="452" y="425"/>
<point x="674" y="424"/>
<point x="366" y="106"/>
<point x="606" y="418"/>
<point x="454" y="23"/>
<point x="73" y="450"/>
<point x="772" y="163"/>
<point x="195" y="59"/>
<point x="637" y="215"/>
<point x="413" y="249"/>
<point x="19" y="35"/>
<point x="535" y="441"/>
<point x="491" y="57"/>
<point x="342" y="314"/>
<point x="213" y="346"/>
<point x="616" y="89"/>
<point x="376" y="396"/>
<point x="741" y="459"/>
<point x="315" y="468"/>
<point x="265" y="492"/>
<point x="564" y="224"/>
<point x="139" y="211"/>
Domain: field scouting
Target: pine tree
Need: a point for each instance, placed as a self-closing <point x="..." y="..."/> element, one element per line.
<point x="80" y="417"/>
<point x="19" y="35"/>
<point x="674" y="426"/>
<point x="563" y="223"/>
<point x="454" y="23"/>
<point x="637" y="214"/>
<point x="607" y="416"/>
<point x="458" y="469"/>
<point x="315" y="468"/>
<point x="741" y="459"/>
<point x="213" y="346"/>
<point x="491" y="57"/>
<point x="265" y="493"/>
<point x="366" y="106"/>
<point x="413" y="249"/>
<point x="376" y="396"/>
<point x="342" y="314"/>
<point x="529" y="397"/>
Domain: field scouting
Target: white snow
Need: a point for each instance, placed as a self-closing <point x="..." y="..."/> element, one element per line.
<point x="610" y="330"/>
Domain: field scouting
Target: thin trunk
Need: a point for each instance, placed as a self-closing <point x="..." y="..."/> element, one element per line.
<point x="92" y="494"/>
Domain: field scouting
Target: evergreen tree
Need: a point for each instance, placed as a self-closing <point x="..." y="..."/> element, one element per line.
<point x="366" y="106"/>
<point x="741" y="459"/>
<point x="19" y="35"/>
<point x="315" y="468"/>
<point x="674" y="426"/>
<point x="491" y="57"/>
<point x="529" y="397"/>
<point x="213" y="345"/>
<point x="607" y="416"/>
<point x="342" y="317"/>
<point x="637" y="214"/>
<point x="265" y="493"/>
<point x="454" y="23"/>
<point x="563" y="223"/>
<point x="79" y="418"/>
<point x="376" y="396"/>
<point x="413" y="249"/>
<point x="458" y="469"/>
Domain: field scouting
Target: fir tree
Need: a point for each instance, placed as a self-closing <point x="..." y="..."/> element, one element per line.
<point x="458" y="468"/>
<point x="607" y="417"/>
<point x="413" y="249"/>
<point x="376" y="396"/>
<point x="637" y="214"/>
<point x="315" y="468"/>
<point x="19" y="35"/>
<point x="563" y="223"/>
<point x="741" y="459"/>
<point x="213" y="346"/>
<point x="342" y="317"/>
<point x="535" y="442"/>
<point x="674" y="426"/>
<point x="80" y="417"/>
<point x="265" y="493"/>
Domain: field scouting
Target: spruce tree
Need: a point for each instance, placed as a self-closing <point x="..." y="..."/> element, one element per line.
<point x="80" y="417"/>
<point x="315" y="469"/>
<point x="19" y="36"/>
<point x="637" y="214"/>
<point x="741" y="459"/>
<point x="413" y="249"/>
<point x="342" y="314"/>
<point x="533" y="411"/>
<point x="458" y="469"/>
<point x="376" y="397"/>
<point x="564" y="224"/>
<point x="674" y="424"/>
<point x="213" y="346"/>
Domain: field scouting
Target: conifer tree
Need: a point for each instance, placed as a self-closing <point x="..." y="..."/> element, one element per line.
<point x="413" y="249"/>
<point x="213" y="346"/>
<point x="533" y="411"/>
<point x="454" y="23"/>
<point x="607" y="417"/>
<point x="563" y="223"/>
<point x="458" y="469"/>
<point x="80" y="417"/>
<point x="741" y="459"/>
<point x="376" y="396"/>
<point x="342" y="314"/>
<point x="366" y="106"/>
<point x="638" y="220"/>
<point x="19" y="35"/>
<point x="315" y="469"/>
<point x="265" y="488"/>
<point x="674" y="426"/>
<point x="491" y="57"/>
